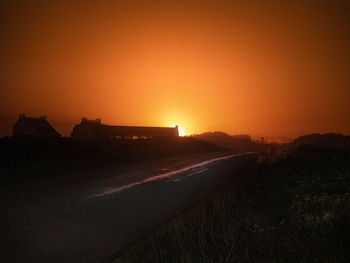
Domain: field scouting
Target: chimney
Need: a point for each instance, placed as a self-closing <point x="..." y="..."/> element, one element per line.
<point x="43" y="117"/>
<point x="22" y="116"/>
<point x="83" y="120"/>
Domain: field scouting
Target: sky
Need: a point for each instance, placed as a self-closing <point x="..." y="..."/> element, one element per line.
<point x="265" y="68"/>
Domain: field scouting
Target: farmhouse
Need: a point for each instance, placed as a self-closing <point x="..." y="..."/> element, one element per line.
<point x="95" y="129"/>
<point x="34" y="127"/>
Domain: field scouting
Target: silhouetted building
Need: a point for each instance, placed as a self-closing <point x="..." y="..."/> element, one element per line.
<point x="34" y="127"/>
<point x="94" y="129"/>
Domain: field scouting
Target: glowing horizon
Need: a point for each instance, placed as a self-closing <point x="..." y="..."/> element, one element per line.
<point x="181" y="130"/>
<point x="263" y="69"/>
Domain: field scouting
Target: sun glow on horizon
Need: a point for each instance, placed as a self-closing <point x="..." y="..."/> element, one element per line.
<point x="182" y="132"/>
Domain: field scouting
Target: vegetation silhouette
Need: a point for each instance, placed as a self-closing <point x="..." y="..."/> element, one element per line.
<point x="292" y="206"/>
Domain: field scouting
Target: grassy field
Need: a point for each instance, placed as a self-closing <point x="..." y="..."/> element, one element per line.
<point x="290" y="207"/>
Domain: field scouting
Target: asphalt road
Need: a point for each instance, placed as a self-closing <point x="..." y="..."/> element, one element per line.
<point x="89" y="218"/>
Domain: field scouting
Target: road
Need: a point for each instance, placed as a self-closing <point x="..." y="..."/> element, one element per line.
<point x="75" y="219"/>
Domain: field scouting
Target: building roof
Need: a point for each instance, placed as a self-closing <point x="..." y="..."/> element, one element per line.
<point x="40" y="125"/>
<point x="102" y="130"/>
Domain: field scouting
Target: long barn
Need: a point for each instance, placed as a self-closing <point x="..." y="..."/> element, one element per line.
<point x="89" y="129"/>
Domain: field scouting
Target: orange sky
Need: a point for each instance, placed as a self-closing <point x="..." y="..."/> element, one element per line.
<point x="267" y="69"/>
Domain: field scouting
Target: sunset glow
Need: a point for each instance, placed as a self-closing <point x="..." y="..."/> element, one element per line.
<point x="260" y="69"/>
<point x="181" y="130"/>
<point x="120" y="119"/>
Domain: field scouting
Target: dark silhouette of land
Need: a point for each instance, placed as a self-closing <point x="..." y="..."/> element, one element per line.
<point x="37" y="150"/>
<point x="83" y="217"/>
<point x="326" y="140"/>
<point x="291" y="206"/>
<point x="30" y="158"/>
<point x="49" y="184"/>
<point x="69" y="200"/>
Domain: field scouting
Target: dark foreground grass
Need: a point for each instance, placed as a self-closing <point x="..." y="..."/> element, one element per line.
<point x="294" y="209"/>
